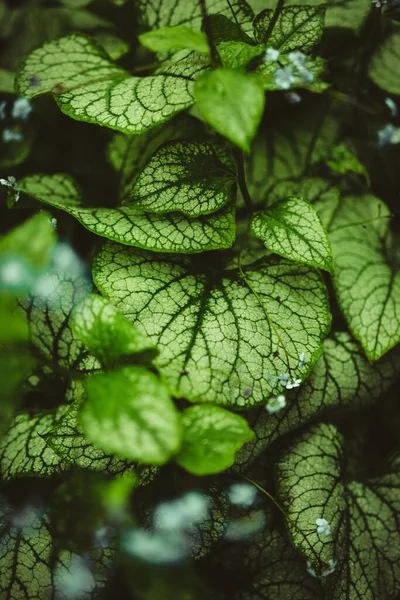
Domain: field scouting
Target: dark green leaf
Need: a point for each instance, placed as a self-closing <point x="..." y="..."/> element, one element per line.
<point x="296" y="28"/>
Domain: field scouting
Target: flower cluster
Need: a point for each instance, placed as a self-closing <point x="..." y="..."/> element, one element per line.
<point x="329" y="569"/>
<point x="11" y="183"/>
<point x="323" y="527"/>
<point x="295" y="72"/>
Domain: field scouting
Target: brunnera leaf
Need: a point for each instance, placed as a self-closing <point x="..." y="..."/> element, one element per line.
<point x="161" y="233"/>
<point x="293" y="229"/>
<point x="89" y="87"/>
<point x="232" y="102"/>
<point x="211" y="437"/>
<point x="191" y="178"/>
<point x="31" y="567"/>
<point x="107" y="333"/>
<point x="342" y="381"/>
<point x="384" y="66"/>
<point x="366" y="276"/>
<point x="348" y="530"/>
<point x="296" y="27"/>
<point x="177" y="37"/>
<point x="221" y="335"/>
<point x="128" y="412"/>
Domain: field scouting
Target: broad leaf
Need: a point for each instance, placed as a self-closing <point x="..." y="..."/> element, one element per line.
<point x="107" y="333"/>
<point x="384" y="66"/>
<point x="175" y="38"/>
<point x="232" y="103"/>
<point x="168" y="233"/>
<point x="188" y="177"/>
<point x="221" y="337"/>
<point x="342" y="381"/>
<point x="296" y="28"/>
<point x="30" y="566"/>
<point x="113" y="45"/>
<point x="366" y="279"/>
<point x="89" y="87"/>
<point x="293" y="229"/>
<point x="167" y="13"/>
<point x="7" y="81"/>
<point x="129" y="413"/>
<point x="211" y="437"/>
<point x="237" y="54"/>
<point x="348" y="530"/>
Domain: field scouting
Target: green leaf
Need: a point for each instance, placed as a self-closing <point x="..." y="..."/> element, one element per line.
<point x="30" y="566"/>
<point x="188" y="177"/>
<point x="107" y="333"/>
<point x="232" y="103"/>
<point x="344" y="160"/>
<point x="366" y="278"/>
<point x="89" y="87"/>
<point x="360" y="558"/>
<point x="237" y="54"/>
<point x="129" y="413"/>
<point x="342" y="381"/>
<point x="293" y="229"/>
<point x="114" y="46"/>
<point x="348" y="14"/>
<point x="7" y="81"/>
<point x="167" y="13"/>
<point x="175" y="38"/>
<point x="384" y="66"/>
<point x="16" y="364"/>
<point x="320" y="192"/>
<point x="211" y="437"/>
<point x="315" y="67"/>
<point x="160" y="233"/>
<point x="220" y="337"/>
<point x="297" y="27"/>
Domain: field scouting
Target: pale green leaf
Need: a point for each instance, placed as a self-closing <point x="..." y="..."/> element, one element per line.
<point x="129" y="413"/>
<point x="237" y="54"/>
<point x="211" y="437"/>
<point x="366" y="278"/>
<point x="107" y="333"/>
<point x="320" y="192"/>
<point x="162" y="233"/>
<point x="232" y="102"/>
<point x="293" y="229"/>
<point x="358" y="556"/>
<point x="174" y="38"/>
<point x="296" y="28"/>
<point x="220" y="337"/>
<point x="188" y="177"/>
<point x="89" y="87"/>
<point x="342" y="381"/>
<point x="30" y="566"/>
<point x="167" y="13"/>
<point x="384" y="66"/>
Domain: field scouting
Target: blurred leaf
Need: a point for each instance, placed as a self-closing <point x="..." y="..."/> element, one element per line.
<point x="383" y="68"/>
<point x="174" y="38"/>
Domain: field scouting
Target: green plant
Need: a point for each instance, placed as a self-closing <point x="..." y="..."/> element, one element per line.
<point x="209" y="294"/>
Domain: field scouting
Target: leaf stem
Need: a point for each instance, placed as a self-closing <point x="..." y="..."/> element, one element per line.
<point x="239" y="157"/>
<point x="214" y="56"/>
<point x="273" y="21"/>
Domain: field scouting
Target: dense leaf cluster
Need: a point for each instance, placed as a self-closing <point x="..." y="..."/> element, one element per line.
<point x="199" y="299"/>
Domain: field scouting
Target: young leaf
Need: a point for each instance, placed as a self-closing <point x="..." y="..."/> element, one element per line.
<point x="129" y="413"/>
<point x="232" y="102"/>
<point x="344" y="160"/>
<point x="211" y="437"/>
<point x="107" y="333"/>
<point x="113" y="45"/>
<point x="160" y="233"/>
<point x="293" y="229"/>
<point x="366" y="280"/>
<point x="348" y="530"/>
<point x="297" y="27"/>
<point x="383" y="68"/>
<point x="342" y="381"/>
<point x="237" y="54"/>
<point x="89" y="87"/>
<point x="187" y="177"/>
<point x="30" y="566"/>
<point x="174" y="38"/>
<point x="221" y="337"/>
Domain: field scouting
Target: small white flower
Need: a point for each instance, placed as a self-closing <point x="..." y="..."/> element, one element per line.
<point x="53" y="223"/>
<point x="22" y="109"/>
<point x="182" y="513"/>
<point x="284" y="378"/>
<point x="2" y="110"/>
<point x="331" y="566"/>
<point x="379" y="3"/>
<point x="388" y="135"/>
<point x="271" y="54"/>
<point x="242" y="494"/>
<point x="11" y="183"/>
<point x="11" y="135"/>
<point x="274" y="405"/>
<point x="305" y="75"/>
<point x="310" y="569"/>
<point x="389" y="103"/>
<point x="293" y="98"/>
<point x="298" y="59"/>
<point x="284" y="78"/>
<point x="323" y="527"/>
<point x="302" y="360"/>
<point x="272" y="380"/>
<point x="293" y="383"/>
